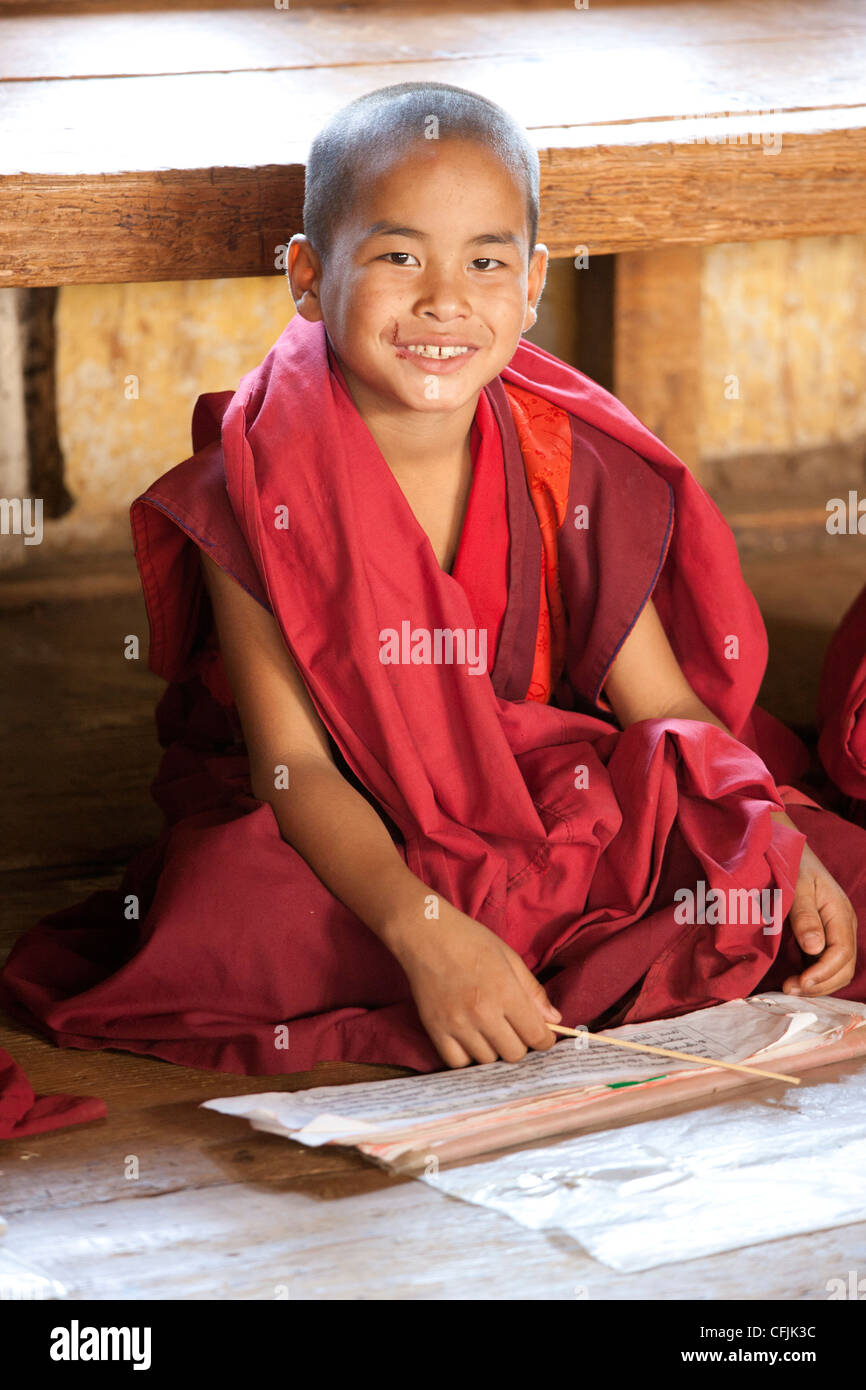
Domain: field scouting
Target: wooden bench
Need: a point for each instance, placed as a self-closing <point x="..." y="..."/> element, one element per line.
<point x="156" y="145"/>
<point x="141" y="143"/>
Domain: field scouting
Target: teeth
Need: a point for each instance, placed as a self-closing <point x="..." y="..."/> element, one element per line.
<point x="431" y="350"/>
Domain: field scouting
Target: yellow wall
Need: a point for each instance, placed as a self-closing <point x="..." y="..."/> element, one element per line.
<point x="179" y="340"/>
<point x="788" y="318"/>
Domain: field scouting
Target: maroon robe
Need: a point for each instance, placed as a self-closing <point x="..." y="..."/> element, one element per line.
<point x="842" y="710"/>
<point x="236" y="935"/>
<point x="23" y="1113"/>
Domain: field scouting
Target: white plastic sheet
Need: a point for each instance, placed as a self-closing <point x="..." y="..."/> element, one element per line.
<point x="19" y="1279"/>
<point x="653" y="1193"/>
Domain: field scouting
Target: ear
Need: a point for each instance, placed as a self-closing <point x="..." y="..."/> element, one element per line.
<point x="304" y="274"/>
<point x="535" y="284"/>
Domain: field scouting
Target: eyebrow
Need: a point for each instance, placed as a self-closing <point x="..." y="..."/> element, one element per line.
<point x="499" y="238"/>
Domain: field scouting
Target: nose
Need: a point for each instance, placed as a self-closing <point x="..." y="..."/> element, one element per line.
<point x="444" y="295"/>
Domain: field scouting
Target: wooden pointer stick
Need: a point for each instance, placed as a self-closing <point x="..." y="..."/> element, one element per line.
<point x="666" y="1052"/>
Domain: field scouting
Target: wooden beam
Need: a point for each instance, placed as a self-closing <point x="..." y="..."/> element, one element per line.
<point x="657" y="344"/>
<point x="595" y="306"/>
<point x="201" y="224"/>
<point x="206" y="223"/>
<point x="163" y="144"/>
<point x="31" y="462"/>
<point x="13" y="435"/>
<point x="763" y="49"/>
<point x="45" y="457"/>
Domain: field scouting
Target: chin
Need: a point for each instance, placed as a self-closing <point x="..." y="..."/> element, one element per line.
<point x="444" y="402"/>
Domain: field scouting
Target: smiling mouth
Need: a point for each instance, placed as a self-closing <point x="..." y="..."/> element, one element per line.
<point x="433" y="350"/>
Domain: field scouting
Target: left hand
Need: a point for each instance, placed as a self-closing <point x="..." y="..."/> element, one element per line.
<point x="825" y="925"/>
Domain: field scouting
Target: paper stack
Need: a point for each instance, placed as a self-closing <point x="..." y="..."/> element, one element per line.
<point x="415" y="1123"/>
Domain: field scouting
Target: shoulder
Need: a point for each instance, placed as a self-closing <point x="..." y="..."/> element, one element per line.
<point x="190" y="503"/>
<point x="186" y="513"/>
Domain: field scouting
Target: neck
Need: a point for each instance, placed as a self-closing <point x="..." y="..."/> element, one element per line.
<point x="412" y="439"/>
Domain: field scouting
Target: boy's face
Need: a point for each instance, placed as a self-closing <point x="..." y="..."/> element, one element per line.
<point x="434" y="254"/>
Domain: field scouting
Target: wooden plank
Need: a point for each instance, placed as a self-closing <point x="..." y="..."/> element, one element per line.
<point x="25" y="896"/>
<point x="201" y="225"/>
<point x="77" y="768"/>
<point x="145" y="1150"/>
<point x="106" y="125"/>
<point x="215" y="195"/>
<point x="395" y="1241"/>
<point x="235" y="37"/>
<point x="156" y="1138"/>
<point x="208" y="223"/>
<point x="21" y="588"/>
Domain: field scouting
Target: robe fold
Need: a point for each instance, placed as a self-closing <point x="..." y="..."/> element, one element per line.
<point x="508" y="788"/>
<point x="842" y="709"/>
<point x="23" y="1113"/>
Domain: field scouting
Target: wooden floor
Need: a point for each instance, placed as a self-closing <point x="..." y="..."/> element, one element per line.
<point x="219" y="1211"/>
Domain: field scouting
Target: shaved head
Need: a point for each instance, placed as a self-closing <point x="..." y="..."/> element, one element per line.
<point x="382" y="126"/>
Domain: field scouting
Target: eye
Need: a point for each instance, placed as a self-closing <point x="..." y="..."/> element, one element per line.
<point x="407" y="254"/>
<point x="486" y="262"/>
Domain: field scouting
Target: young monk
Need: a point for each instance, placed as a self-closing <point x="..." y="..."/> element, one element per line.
<point x="461" y="736"/>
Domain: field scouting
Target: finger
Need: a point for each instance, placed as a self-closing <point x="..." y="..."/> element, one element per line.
<point x="840" y="929"/>
<point x="476" y="1044"/>
<point x="830" y="986"/>
<point x="825" y="983"/>
<point x="834" y="962"/>
<point x="534" y="988"/>
<point x="794" y="985"/>
<point x="505" y="1041"/>
<point x="834" y="970"/>
<point x="806" y="924"/>
<point x="525" y="1018"/>
<point x="450" y="1050"/>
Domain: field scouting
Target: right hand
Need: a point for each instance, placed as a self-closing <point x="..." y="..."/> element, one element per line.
<point x="476" y="998"/>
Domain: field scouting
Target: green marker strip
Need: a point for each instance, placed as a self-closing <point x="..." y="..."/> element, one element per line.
<point x="615" y="1085"/>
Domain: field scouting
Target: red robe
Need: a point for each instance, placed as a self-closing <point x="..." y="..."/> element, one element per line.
<point x="23" y="1113"/>
<point x="474" y="776"/>
<point x="842" y="709"/>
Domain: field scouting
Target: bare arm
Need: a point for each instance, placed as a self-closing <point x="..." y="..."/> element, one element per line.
<point x="320" y="814"/>
<point x="646" y="680"/>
